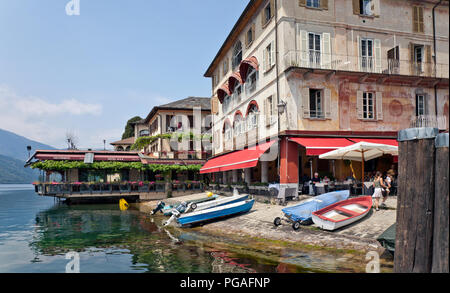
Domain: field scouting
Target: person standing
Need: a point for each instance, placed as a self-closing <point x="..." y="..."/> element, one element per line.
<point x="378" y="184"/>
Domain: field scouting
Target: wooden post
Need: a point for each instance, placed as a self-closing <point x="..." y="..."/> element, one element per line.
<point x="441" y="204"/>
<point x="415" y="201"/>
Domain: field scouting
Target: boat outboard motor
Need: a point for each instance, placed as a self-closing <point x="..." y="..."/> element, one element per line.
<point x="159" y="207"/>
<point x="175" y="214"/>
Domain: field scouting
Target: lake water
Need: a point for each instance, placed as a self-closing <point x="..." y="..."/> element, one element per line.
<point x="37" y="232"/>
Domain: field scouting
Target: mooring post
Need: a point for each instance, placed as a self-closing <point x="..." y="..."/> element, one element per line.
<point x="441" y="207"/>
<point x="415" y="200"/>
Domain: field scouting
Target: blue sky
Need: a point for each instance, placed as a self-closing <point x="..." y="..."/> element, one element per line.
<point x="88" y="74"/>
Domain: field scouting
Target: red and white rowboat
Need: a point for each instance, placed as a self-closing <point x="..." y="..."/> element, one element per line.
<point x="342" y="213"/>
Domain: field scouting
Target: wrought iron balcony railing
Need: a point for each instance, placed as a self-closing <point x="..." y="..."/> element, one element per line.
<point x="317" y="60"/>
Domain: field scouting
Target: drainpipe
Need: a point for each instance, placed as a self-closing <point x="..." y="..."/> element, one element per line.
<point x="278" y="85"/>
<point x="435" y="57"/>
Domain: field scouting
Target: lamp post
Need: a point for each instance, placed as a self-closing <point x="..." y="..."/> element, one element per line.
<point x="281" y="106"/>
<point x="104" y="144"/>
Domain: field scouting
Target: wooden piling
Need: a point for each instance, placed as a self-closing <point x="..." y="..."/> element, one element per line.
<point x="441" y="207"/>
<point x="415" y="201"/>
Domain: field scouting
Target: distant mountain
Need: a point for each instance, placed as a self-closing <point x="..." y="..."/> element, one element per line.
<point x="13" y="154"/>
<point x="15" y="146"/>
<point x="12" y="171"/>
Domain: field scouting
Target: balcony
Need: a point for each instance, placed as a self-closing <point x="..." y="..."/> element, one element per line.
<point x="317" y="60"/>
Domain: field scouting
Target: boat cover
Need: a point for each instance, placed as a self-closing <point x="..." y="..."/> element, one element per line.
<point x="303" y="211"/>
<point x="387" y="238"/>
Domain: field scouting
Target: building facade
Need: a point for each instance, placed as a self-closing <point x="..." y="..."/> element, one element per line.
<point x="306" y="73"/>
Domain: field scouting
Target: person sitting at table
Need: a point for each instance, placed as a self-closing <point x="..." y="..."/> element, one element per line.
<point x="326" y="179"/>
<point x="315" y="180"/>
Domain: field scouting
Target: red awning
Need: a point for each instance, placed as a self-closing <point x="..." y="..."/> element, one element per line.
<point x="317" y="146"/>
<point x="386" y="141"/>
<point x="233" y="80"/>
<point x="243" y="68"/>
<point x="223" y="91"/>
<point x="119" y="158"/>
<point x="59" y="157"/>
<point x="236" y="160"/>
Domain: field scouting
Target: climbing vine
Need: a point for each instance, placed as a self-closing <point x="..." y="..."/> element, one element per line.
<point x="112" y="166"/>
<point x="145" y="141"/>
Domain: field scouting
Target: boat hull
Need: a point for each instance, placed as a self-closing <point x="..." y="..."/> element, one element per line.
<point x="343" y="213"/>
<point x="303" y="212"/>
<point x="216" y="213"/>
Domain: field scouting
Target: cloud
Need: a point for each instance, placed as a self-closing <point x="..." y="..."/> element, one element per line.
<point x="37" y="106"/>
<point x="48" y="122"/>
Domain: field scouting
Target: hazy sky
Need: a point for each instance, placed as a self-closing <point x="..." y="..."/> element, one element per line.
<point x="88" y="74"/>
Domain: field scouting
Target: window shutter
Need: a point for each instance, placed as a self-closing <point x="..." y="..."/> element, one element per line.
<point x="305" y="103"/>
<point x="358" y="50"/>
<point x="356" y="7"/>
<point x="327" y="94"/>
<point x="215" y="105"/>
<point x="428" y="60"/>
<point x="266" y="112"/>
<point x="376" y="7"/>
<point x="324" y="4"/>
<point x="326" y="51"/>
<point x="272" y="8"/>
<point x="265" y="61"/>
<point x="420" y="19"/>
<point x="379" y="103"/>
<point x="272" y="53"/>
<point x="302" y="2"/>
<point x="359" y="104"/>
<point x="413" y="61"/>
<point x="304" y="48"/>
<point x="377" y="49"/>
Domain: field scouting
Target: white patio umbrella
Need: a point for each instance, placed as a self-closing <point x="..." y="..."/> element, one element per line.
<point x="361" y="152"/>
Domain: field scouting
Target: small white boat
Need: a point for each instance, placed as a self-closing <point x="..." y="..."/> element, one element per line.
<point x="342" y="213"/>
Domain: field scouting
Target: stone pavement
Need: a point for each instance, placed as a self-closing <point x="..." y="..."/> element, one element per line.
<point x="258" y="223"/>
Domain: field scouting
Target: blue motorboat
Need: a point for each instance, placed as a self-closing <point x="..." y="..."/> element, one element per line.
<point x="302" y="214"/>
<point x="216" y="212"/>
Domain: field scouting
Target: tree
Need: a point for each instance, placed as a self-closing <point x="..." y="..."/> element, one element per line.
<point x="72" y="140"/>
<point x="129" y="128"/>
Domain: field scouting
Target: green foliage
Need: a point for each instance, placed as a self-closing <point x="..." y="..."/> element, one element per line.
<point x="145" y="141"/>
<point x="112" y="166"/>
<point x="129" y="128"/>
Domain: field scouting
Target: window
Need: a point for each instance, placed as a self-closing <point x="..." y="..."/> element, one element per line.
<point x="418" y="58"/>
<point x="418" y="19"/>
<point x="239" y="126"/>
<point x="267" y="13"/>
<point x="313" y="3"/>
<point x="365" y="7"/>
<point x="368" y="106"/>
<point x="420" y="105"/>
<point x="228" y="133"/>
<point x="367" y="54"/>
<point x="393" y="60"/>
<point x="225" y="66"/>
<point x="316" y="103"/>
<point x="226" y="104"/>
<point x="250" y="82"/>
<point x="237" y="54"/>
<point x="250" y="36"/>
<point x="314" y="49"/>
<point x="269" y="56"/>
<point x="252" y="118"/>
<point x="236" y="97"/>
<point x="144" y="132"/>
